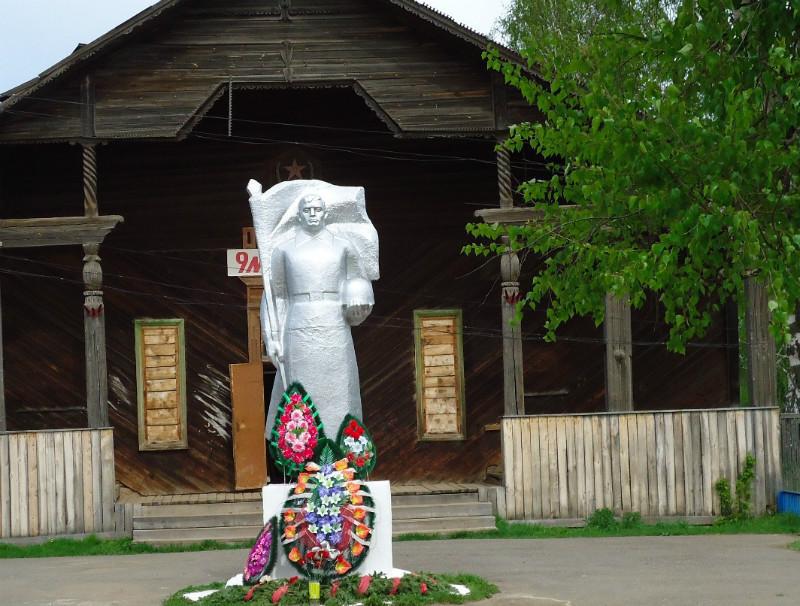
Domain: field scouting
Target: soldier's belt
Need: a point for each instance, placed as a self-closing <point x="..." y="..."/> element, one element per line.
<point x="315" y="296"/>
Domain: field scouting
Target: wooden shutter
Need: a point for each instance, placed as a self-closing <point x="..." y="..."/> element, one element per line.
<point x="161" y="384"/>
<point x="440" y="374"/>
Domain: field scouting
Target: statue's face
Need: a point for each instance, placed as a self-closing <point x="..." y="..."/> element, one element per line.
<point x="312" y="213"/>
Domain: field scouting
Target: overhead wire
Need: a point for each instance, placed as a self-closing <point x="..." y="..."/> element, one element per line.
<point x="222" y="137"/>
<point x="379" y="321"/>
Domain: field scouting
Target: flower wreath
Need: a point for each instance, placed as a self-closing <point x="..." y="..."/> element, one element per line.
<point x="355" y="442"/>
<point x="262" y="557"/>
<point x="297" y="431"/>
<point x="328" y="518"/>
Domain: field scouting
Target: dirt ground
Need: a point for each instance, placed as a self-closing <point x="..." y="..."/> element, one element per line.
<point x="693" y="571"/>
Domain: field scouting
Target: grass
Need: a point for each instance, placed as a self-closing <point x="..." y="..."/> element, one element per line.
<point x="631" y="527"/>
<point x="773" y="524"/>
<point x="438" y="591"/>
<point x="94" y="546"/>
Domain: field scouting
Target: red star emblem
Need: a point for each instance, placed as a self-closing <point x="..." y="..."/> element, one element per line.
<point x="295" y="170"/>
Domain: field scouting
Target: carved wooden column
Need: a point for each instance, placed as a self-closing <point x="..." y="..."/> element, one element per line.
<point x="94" y="338"/>
<point x="513" y="385"/>
<point x="619" y="353"/>
<point x="761" y="364"/>
<point x="93" y="317"/>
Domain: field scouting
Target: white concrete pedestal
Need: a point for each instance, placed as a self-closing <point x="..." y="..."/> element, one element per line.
<point x="379" y="558"/>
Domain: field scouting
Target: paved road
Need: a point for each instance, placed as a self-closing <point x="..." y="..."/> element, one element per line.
<point x="737" y="570"/>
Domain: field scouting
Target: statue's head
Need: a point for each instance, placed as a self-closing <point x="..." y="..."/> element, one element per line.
<point x="312" y="212"/>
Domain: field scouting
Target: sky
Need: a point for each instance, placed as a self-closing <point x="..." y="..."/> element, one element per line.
<point x="35" y="34"/>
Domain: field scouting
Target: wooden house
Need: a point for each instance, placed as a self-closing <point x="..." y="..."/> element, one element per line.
<point x="137" y="148"/>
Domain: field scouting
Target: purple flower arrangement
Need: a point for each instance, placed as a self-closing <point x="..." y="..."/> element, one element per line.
<point x="261" y="559"/>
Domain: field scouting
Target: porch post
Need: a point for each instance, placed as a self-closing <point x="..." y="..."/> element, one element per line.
<point x="761" y="364"/>
<point x="513" y="385"/>
<point x="619" y="353"/>
<point x="93" y="317"/>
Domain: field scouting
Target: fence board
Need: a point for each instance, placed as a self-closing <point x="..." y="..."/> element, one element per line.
<point x="759" y="492"/>
<point x="552" y="464"/>
<point x="782" y="480"/>
<point x="536" y="465"/>
<point x="588" y="447"/>
<point x="43" y="482"/>
<point x="33" y="486"/>
<point x="509" y="463"/>
<point x="697" y="456"/>
<point x="69" y="483"/>
<point x="107" y="478"/>
<point x="527" y="470"/>
<point x="44" y="502"/>
<point x="713" y="474"/>
<point x="22" y="465"/>
<point x="597" y="444"/>
<point x="669" y="464"/>
<point x="722" y="438"/>
<point x="706" y="458"/>
<point x="5" y="488"/>
<point x="563" y="502"/>
<point x="16" y="484"/>
<point x="659" y="463"/>
<point x="608" y="497"/>
<point x="580" y="456"/>
<point x="97" y="486"/>
<point x="50" y="483"/>
<point x="624" y="463"/>
<point x="544" y="468"/>
<point x="61" y="506"/>
<point x="680" y="486"/>
<point x="88" y="494"/>
<point x="77" y="474"/>
<point x="616" y="473"/>
<point x="572" y="469"/>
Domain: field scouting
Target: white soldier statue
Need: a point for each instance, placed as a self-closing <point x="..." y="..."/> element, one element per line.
<point x="319" y="255"/>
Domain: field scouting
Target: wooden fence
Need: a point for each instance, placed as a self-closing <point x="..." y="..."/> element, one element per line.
<point x="790" y="451"/>
<point x="660" y="464"/>
<point x="56" y="482"/>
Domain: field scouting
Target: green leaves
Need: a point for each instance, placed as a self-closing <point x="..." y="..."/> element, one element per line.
<point x="676" y="146"/>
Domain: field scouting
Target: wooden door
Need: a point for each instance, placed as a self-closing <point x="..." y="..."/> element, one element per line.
<point x="249" y="444"/>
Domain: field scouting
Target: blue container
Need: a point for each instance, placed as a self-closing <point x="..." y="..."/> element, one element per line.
<point x="789" y="502"/>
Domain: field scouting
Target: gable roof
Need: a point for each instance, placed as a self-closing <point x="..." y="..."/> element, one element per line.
<point x="153" y="14"/>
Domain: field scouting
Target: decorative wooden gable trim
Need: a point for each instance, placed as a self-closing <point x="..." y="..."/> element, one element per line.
<point x="161" y="384"/>
<point x="440" y="374"/>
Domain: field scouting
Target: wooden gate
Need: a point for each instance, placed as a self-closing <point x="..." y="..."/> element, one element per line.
<point x="790" y="450"/>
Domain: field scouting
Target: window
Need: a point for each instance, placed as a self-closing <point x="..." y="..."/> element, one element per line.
<point x="440" y="374"/>
<point x="161" y="384"/>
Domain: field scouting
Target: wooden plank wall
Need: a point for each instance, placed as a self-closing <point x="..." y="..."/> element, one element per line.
<point x="790" y="451"/>
<point x="421" y="77"/>
<point x="660" y="464"/>
<point x="194" y="192"/>
<point x="56" y="482"/>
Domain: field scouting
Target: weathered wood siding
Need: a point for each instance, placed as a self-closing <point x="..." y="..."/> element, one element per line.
<point x="56" y="482"/>
<point x="790" y="450"/>
<point x="421" y="78"/>
<point x="184" y="204"/>
<point x="660" y="464"/>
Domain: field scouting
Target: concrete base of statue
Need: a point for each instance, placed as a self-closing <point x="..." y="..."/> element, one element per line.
<point x="379" y="558"/>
